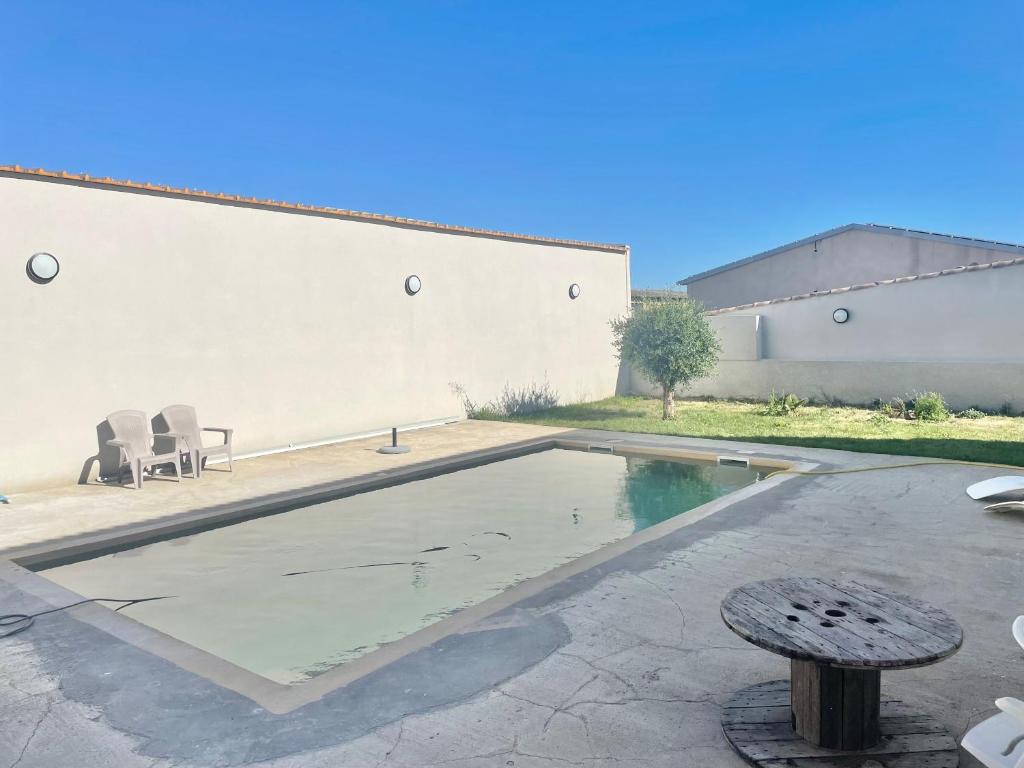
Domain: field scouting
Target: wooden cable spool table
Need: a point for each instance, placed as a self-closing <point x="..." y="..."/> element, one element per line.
<point x="839" y="636"/>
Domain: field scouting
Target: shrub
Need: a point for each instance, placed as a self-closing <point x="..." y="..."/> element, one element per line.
<point x="929" y="406"/>
<point x="525" y="400"/>
<point x="670" y="342"/>
<point x="511" y="402"/>
<point x="1007" y="409"/>
<point x="971" y="413"/>
<point x="896" y="408"/>
<point x="782" y="404"/>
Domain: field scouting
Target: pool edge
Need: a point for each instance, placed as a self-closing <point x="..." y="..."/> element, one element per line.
<point x="279" y="698"/>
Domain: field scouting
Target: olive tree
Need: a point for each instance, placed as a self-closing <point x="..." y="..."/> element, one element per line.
<point x="670" y="342"/>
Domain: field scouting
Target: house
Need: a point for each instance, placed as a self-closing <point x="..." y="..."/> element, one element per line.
<point x="949" y="321"/>
<point x="848" y="255"/>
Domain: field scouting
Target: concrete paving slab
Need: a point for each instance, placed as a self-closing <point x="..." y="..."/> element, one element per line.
<point x="626" y="664"/>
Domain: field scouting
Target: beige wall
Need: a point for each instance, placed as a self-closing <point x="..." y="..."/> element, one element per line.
<point x="986" y="385"/>
<point x="289" y="327"/>
<point x="959" y="335"/>
<point x="973" y="316"/>
<point x="738" y="335"/>
<point x="849" y="258"/>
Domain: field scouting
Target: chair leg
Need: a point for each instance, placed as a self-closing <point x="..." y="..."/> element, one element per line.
<point x="177" y="466"/>
<point x="197" y="468"/>
<point x="231" y="465"/>
<point x="137" y="473"/>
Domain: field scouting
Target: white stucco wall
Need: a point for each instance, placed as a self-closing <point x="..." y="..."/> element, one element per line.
<point x="848" y="258"/>
<point x="985" y="385"/>
<point x="738" y="335"/>
<point x="972" y="316"/>
<point x="289" y="327"/>
<point x="959" y="334"/>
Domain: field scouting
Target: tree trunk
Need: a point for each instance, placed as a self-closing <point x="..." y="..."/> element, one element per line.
<point x="668" y="408"/>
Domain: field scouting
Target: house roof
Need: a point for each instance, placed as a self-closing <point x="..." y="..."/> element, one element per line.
<point x="219" y="197"/>
<point x="1017" y="262"/>
<point x="993" y="245"/>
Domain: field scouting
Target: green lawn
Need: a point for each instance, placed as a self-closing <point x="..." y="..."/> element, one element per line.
<point x="996" y="439"/>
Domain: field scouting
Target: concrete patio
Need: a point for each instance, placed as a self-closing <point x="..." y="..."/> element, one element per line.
<point x="51" y="515"/>
<point x="627" y="664"/>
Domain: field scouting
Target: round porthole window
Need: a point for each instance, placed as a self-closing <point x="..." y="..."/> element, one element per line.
<point x="574" y="291"/>
<point x="42" y="267"/>
<point x="413" y="285"/>
<point x="841" y="315"/>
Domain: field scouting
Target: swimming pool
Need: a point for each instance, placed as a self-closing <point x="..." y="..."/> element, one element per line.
<point x="290" y="596"/>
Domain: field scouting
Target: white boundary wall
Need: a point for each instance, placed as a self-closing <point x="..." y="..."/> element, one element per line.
<point x="961" y="335"/>
<point x="290" y="327"/>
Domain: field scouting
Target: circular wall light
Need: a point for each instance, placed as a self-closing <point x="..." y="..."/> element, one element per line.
<point x="841" y="315"/>
<point x="413" y="285"/>
<point x="574" y="291"/>
<point x="42" y="268"/>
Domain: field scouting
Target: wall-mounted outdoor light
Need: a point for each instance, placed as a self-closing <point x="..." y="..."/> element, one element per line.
<point x="574" y="291"/>
<point x="841" y="315"/>
<point x="42" y="268"/>
<point x="413" y="285"/>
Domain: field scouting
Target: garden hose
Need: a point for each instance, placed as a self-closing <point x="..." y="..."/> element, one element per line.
<point x="892" y="466"/>
<point x="22" y="621"/>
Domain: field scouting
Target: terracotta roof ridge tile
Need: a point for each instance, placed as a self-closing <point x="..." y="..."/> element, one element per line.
<point x="863" y="286"/>
<point x="127" y="184"/>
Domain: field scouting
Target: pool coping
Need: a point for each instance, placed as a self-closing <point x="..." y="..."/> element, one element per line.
<point x="280" y="698"/>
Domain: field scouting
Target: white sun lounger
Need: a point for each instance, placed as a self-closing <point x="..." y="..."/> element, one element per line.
<point x="998" y="742"/>
<point x="1006" y="506"/>
<point x="996" y="486"/>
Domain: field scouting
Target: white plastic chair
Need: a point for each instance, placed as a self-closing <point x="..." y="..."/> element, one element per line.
<point x="998" y="742"/>
<point x="133" y="438"/>
<point x="182" y="421"/>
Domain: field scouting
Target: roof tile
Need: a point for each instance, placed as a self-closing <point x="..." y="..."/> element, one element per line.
<point x="864" y="286"/>
<point x="125" y="184"/>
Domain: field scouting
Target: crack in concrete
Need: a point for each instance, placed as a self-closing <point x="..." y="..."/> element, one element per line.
<point x="636" y="699"/>
<point x="42" y="718"/>
<point x="679" y="609"/>
<point x="394" y="746"/>
<point x="599" y="669"/>
<point x="515" y="751"/>
<point x="569" y="698"/>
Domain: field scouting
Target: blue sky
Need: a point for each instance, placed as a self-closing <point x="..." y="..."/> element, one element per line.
<point x="696" y="132"/>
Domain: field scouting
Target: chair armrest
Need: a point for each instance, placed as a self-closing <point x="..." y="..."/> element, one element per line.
<point x="1012" y="707"/>
<point x="226" y="431"/>
<point x="177" y="437"/>
<point x="117" y="443"/>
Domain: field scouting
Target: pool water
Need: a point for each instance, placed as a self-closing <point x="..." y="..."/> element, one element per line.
<point x="291" y="595"/>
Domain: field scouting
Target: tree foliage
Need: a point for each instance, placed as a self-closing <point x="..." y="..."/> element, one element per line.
<point x="670" y="342"/>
